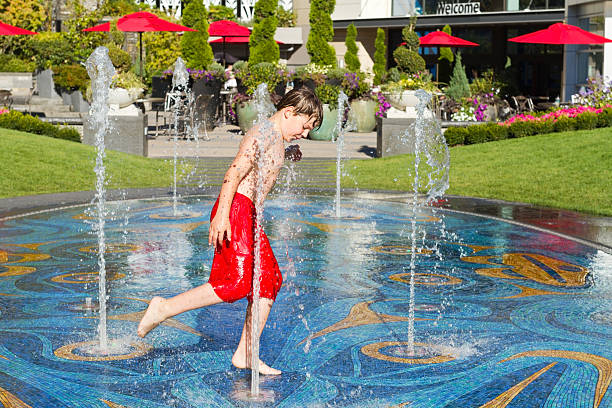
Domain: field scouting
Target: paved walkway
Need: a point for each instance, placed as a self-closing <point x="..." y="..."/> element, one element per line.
<point x="224" y="141"/>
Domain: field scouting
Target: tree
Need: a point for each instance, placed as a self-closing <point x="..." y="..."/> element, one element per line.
<point x="262" y="46"/>
<point x="380" y="57"/>
<point x="407" y="57"/>
<point x="445" y="52"/>
<point x="321" y="33"/>
<point x="350" y="58"/>
<point x="195" y="48"/>
<point x="459" y="86"/>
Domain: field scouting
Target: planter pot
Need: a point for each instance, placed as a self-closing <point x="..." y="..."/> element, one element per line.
<point x="240" y="87"/>
<point x="160" y="86"/>
<point x="309" y="83"/>
<point x="206" y="95"/>
<point x="327" y="130"/>
<point x="402" y="100"/>
<point x="363" y="115"/>
<point x="333" y="81"/>
<point x="118" y="96"/>
<point x="247" y="115"/>
<point x="490" y="114"/>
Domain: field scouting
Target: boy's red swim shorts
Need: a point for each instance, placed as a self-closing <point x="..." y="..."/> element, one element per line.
<point x="231" y="275"/>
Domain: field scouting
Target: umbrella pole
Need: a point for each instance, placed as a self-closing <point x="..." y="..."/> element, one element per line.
<point x="223" y="52"/>
<point x="140" y="40"/>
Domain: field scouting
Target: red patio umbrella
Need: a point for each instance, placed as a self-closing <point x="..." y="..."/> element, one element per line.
<point x="141" y="22"/>
<point x="228" y="29"/>
<point x="442" y="39"/>
<point x="7" y="29"/>
<point x="560" y="34"/>
<point x="235" y="40"/>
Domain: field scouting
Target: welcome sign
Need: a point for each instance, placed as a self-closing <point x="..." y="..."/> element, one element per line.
<point x="458" y="8"/>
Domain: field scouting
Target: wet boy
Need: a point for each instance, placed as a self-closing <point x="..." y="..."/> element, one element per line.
<point x="232" y="225"/>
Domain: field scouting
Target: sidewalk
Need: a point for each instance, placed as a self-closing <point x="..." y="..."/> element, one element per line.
<point x="224" y="141"/>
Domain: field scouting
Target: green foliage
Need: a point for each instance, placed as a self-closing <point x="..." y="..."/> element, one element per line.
<point x="411" y="39"/>
<point x="445" y="52"/>
<point x="328" y="94"/>
<point x="195" y="48"/>
<point x="240" y="65"/>
<point x="262" y="46"/>
<point x="257" y="74"/>
<point x="337" y="73"/>
<point x="162" y="51"/>
<point x="564" y="124"/>
<point x="380" y="57"/>
<point x="523" y="129"/>
<point x="604" y="119"/>
<point x="219" y="12"/>
<point x="286" y="18"/>
<point x="544" y="126"/>
<point x="350" y="58"/>
<point x="71" y="77"/>
<point x="26" y="123"/>
<point x="458" y="87"/>
<point x="455" y="135"/>
<point x="485" y="84"/>
<point x="216" y="68"/>
<point x="118" y="7"/>
<point x="408" y="61"/>
<point x="127" y="80"/>
<point x="477" y="134"/>
<point x="120" y="59"/>
<point x="586" y="120"/>
<point x="321" y="33"/>
<point x="496" y="132"/>
<point x="51" y="49"/>
<point x="395" y="75"/>
<point x="10" y="63"/>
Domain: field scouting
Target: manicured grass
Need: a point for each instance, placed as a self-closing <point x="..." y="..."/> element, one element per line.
<point x="32" y="164"/>
<point x="571" y="170"/>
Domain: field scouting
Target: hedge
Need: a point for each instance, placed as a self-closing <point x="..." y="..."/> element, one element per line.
<point x="26" y="123"/>
<point x="493" y="131"/>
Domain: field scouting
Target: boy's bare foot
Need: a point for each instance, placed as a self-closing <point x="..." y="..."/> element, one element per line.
<point x="153" y="316"/>
<point x="263" y="367"/>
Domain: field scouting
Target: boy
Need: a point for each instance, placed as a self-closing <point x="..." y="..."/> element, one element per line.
<point x="232" y="225"/>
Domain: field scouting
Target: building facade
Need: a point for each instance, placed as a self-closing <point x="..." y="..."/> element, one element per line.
<point x="540" y="71"/>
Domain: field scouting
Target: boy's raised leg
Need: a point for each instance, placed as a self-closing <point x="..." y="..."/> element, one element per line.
<point x="242" y="356"/>
<point x="161" y="309"/>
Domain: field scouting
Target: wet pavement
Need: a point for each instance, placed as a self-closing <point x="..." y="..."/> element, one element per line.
<point x="505" y="315"/>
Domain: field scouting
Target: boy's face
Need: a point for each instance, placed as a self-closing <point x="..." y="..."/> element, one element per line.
<point x="297" y="125"/>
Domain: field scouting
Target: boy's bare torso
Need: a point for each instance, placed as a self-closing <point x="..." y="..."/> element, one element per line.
<point x="271" y="163"/>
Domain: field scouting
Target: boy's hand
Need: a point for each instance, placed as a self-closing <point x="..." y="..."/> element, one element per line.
<point x="293" y="153"/>
<point x="219" y="229"/>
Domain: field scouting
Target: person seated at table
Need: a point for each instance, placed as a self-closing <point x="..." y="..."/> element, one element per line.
<point x="231" y="82"/>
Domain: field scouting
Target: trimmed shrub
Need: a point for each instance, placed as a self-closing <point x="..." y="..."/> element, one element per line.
<point x="586" y="120"/>
<point x="545" y="126"/>
<point x="286" y="18"/>
<point x="477" y="134"/>
<point x="328" y="94"/>
<point x="321" y="33"/>
<point x="217" y="12"/>
<point x="564" y="124"/>
<point x="26" y="123"/>
<point x="120" y="59"/>
<point x="262" y="46"/>
<point x="496" y="132"/>
<point x="459" y="86"/>
<point x="604" y="119"/>
<point x="408" y="61"/>
<point x="195" y="48"/>
<point x="380" y="57"/>
<point x="350" y="58"/>
<point x="411" y="39"/>
<point x="10" y="63"/>
<point x="522" y="129"/>
<point x="445" y="52"/>
<point x="455" y="135"/>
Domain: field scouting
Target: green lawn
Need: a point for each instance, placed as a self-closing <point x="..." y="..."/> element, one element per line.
<point x="571" y="170"/>
<point x="32" y="164"/>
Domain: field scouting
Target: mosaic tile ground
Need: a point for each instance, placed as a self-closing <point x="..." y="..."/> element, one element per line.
<point x="506" y="317"/>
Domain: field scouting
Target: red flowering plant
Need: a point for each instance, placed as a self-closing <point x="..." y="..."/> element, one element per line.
<point x="553" y="115"/>
<point x="3" y="111"/>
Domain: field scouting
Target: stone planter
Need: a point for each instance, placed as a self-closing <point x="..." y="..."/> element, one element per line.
<point x="402" y="100"/>
<point x="66" y="97"/>
<point x="327" y="130"/>
<point x="19" y="83"/>
<point x="389" y="136"/>
<point x="118" y="96"/>
<point x="46" y="85"/>
<point x="247" y="115"/>
<point x="363" y="115"/>
<point x="78" y="103"/>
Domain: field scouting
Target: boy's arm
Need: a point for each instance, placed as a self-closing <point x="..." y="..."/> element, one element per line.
<point x="243" y="162"/>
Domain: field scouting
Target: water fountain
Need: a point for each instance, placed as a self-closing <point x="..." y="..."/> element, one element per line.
<point x="340" y="131"/>
<point x="101" y="72"/>
<point x="180" y="87"/>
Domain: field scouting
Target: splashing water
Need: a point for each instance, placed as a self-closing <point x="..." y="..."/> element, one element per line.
<point x="340" y="131"/>
<point x="265" y="109"/>
<point x="180" y="84"/>
<point x="101" y="71"/>
<point x="429" y="143"/>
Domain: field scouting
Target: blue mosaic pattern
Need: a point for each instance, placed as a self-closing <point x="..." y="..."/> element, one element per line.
<point x="509" y="317"/>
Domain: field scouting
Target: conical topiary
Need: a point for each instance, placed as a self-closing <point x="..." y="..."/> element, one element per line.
<point x="262" y="46"/>
<point x="350" y="58"/>
<point x="321" y="33"/>
<point x="195" y="48"/>
<point x="459" y="86"/>
<point x="380" y="57"/>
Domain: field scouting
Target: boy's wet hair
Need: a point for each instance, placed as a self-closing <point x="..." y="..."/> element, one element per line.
<point x="303" y="101"/>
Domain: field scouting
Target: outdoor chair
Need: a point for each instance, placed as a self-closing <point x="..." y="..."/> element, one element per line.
<point x="523" y="104"/>
<point x="6" y="98"/>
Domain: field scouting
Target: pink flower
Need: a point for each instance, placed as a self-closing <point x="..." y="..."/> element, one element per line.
<point x="3" y="111"/>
